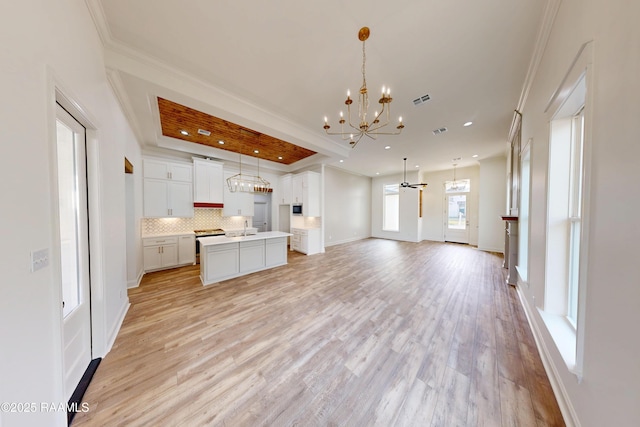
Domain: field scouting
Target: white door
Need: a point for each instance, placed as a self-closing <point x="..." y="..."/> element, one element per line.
<point x="74" y="247"/>
<point x="456" y="227"/>
<point x="260" y="216"/>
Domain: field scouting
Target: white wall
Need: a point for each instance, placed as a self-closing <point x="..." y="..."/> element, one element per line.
<point x="433" y="202"/>
<point x="609" y="392"/>
<point x="347" y="206"/>
<point x="410" y="222"/>
<point x="491" y="204"/>
<point x="45" y="42"/>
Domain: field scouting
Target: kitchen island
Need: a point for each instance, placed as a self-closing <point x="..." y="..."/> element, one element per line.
<point x="223" y="257"/>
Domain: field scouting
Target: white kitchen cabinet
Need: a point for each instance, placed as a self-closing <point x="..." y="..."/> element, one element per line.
<point x="306" y="240"/>
<point x="276" y="252"/>
<point x="285" y="189"/>
<point x="222" y="262"/>
<point x="306" y="190"/>
<point x="163" y="198"/>
<point x="187" y="249"/>
<point x="208" y="177"/>
<point x="238" y="203"/>
<point x="160" y="253"/>
<point x="164" y="169"/>
<point x="252" y="256"/>
<point x="167" y="189"/>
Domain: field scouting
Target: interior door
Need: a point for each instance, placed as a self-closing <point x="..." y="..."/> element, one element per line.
<point x="456" y="218"/>
<point x="260" y="216"/>
<point x="74" y="247"/>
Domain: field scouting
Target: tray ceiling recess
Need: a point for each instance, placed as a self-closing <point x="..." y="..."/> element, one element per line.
<point x="181" y="122"/>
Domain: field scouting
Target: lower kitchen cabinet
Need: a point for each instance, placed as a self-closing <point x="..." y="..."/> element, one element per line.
<point x="276" y="251"/>
<point x="160" y="253"/>
<point x="251" y="256"/>
<point x="222" y="262"/>
<point x="306" y="240"/>
<point x="187" y="249"/>
<point x="167" y="252"/>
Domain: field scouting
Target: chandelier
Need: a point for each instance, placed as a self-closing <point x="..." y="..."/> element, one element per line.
<point x="355" y="132"/>
<point x="244" y="183"/>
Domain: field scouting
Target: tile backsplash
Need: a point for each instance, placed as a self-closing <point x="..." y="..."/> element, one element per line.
<point x="203" y="219"/>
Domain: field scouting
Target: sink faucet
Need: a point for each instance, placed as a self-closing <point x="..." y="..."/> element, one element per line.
<point x="246" y="224"/>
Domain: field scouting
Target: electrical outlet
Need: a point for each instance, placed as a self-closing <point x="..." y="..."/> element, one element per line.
<point x="39" y="259"/>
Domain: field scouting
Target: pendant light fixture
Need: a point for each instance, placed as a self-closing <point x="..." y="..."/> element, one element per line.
<point x="364" y="123"/>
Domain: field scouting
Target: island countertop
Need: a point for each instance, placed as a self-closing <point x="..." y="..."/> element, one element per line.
<point x="221" y="240"/>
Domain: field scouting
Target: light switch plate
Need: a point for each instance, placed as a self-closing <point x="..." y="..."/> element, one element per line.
<point x="39" y="259"/>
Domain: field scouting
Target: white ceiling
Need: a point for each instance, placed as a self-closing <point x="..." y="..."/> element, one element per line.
<point x="279" y="67"/>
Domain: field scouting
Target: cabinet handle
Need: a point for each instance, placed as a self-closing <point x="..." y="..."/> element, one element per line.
<point x="159" y="249"/>
<point x="162" y="249"/>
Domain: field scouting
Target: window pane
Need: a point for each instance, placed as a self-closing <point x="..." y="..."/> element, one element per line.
<point x="457" y="212"/>
<point x="391" y="209"/>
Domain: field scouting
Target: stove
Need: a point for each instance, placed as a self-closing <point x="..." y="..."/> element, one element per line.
<point x="209" y="232"/>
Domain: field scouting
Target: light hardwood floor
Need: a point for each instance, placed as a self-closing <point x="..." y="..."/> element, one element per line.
<point x="374" y="332"/>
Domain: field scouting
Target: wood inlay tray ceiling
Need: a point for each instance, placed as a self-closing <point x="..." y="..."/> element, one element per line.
<point x="175" y="118"/>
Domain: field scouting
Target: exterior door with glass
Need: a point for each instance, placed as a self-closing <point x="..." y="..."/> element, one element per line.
<point x="456" y="227"/>
<point x="74" y="247"/>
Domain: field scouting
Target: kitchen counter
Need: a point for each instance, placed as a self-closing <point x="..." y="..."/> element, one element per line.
<point x="223" y="257"/>
<point x="175" y="233"/>
<point x="220" y="240"/>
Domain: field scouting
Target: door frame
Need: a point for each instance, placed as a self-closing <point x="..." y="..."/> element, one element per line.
<point x="57" y="93"/>
<point x="446" y="229"/>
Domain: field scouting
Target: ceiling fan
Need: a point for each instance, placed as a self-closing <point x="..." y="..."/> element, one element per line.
<point x="405" y="184"/>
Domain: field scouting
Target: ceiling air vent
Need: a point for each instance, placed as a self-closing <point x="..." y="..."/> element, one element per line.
<point x="421" y="100"/>
<point x="204" y="132"/>
<point x="439" y="131"/>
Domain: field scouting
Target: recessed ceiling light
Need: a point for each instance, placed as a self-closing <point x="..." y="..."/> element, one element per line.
<point x="341" y="161"/>
<point x="387" y="147"/>
<point x="256" y="151"/>
<point x="377" y="173"/>
<point x="467" y="124"/>
<point x="417" y="166"/>
<point x="474" y="156"/>
<point x="184" y="132"/>
<point x="221" y="142"/>
<point x="279" y="157"/>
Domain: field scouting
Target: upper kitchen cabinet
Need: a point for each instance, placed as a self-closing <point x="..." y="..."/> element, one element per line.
<point x="168" y="189"/>
<point x="208" y="183"/>
<point x="285" y="189"/>
<point x="173" y="171"/>
<point x="238" y="203"/>
<point x="306" y="190"/>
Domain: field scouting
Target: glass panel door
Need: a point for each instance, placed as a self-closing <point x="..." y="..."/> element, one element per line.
<point x="457" y="225"/>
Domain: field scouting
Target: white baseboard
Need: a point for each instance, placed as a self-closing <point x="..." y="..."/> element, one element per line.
<point x="497" y="250"/>
<point x="136" y="282"/>
<point x="559" y="390"/>
<point x="117" y="325"/>
<point x="339" y="242"/>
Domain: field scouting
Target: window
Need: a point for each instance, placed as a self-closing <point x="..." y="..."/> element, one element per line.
<point x="566" y="243"/>
<point x="391" y="214"/>
<point x="523" y="219"/>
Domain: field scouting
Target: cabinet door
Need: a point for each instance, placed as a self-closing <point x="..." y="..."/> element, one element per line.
<point x="187" y="250"/>
<point x="156" y="169"/>
<point x="169" y="255"/>
<point x="180" y="172"/>
<point x="152" y="258"/>
<point x="222" y="262"/>
<point x="285" y="189"/>
<point x="208" y="182"/>
<point x="297" y="188"/>
<point x="311" y="196"/>
<point x="156" y="198"/>
<point x="251" y="256"/>
<point x="276" y="251"/>
<point x="180" y="199"/>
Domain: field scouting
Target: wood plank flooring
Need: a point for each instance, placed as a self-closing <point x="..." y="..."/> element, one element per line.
<point x="371" y="333"/>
